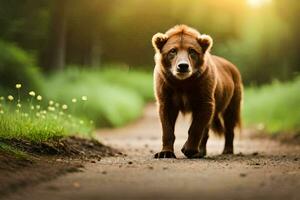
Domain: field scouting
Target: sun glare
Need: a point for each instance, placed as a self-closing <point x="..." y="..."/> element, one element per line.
<point x="258" y="3"/>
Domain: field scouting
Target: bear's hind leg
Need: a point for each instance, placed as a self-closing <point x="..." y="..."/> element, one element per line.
<point x="203" y="143"/>
<point x="229" y="136"/>
<point x="231" y="120"/>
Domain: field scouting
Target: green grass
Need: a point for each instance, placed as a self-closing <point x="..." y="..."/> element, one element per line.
<point x="115" y="96"/>
<point x="40" y="125"/>
<point x="32" y="117"/>
<point x="274" y="107"/>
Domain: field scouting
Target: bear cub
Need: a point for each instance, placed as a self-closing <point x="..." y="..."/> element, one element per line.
<point x="189" y="79"/>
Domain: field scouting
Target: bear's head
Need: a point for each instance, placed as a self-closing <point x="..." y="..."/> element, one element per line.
<point x="181" y="51"/>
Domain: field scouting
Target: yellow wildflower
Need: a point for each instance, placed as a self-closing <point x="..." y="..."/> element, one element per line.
<point x="50" y="108"/>
<point x="32" y="93"/>
<point x="44" y="112"/>
<point x="18" y="86"/>
<point x="84" y="98"/>
<point x="39" y="97"/>
<point x="10" y="97"/>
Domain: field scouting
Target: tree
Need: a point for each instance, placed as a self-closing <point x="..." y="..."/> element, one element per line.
<point x="57" y="36"/>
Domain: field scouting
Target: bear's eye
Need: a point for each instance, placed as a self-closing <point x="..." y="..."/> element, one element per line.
<point x="172" y="53"/>
<point x="192" y="52"/>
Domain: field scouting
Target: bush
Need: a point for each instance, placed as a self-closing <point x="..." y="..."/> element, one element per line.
<point x="139" y="81"/>
<point x="273" y="107"/>
<point x="16" y="66"/>
<point x="115" y="96"/>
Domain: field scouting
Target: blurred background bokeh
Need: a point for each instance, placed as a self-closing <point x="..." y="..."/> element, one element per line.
<point x="102" y="49"/>
<point x="260" y="36"/>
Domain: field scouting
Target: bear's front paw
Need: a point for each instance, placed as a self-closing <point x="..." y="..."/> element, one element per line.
<point x="193" y="153"/>
<point x="165" y="154"/>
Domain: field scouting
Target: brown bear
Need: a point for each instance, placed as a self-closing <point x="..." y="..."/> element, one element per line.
<point x="188" y="78"/>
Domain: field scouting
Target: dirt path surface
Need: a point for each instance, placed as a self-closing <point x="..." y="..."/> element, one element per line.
<point x="260" y="169"/>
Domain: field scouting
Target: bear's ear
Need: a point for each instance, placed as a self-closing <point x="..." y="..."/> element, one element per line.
<point x="206" y="42"/>
<point x="159" y="40"/>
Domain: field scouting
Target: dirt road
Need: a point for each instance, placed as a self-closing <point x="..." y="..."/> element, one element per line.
<point x="260" y="169"/>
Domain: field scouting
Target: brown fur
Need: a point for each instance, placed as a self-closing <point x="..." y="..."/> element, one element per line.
<point x="211" y="89"/>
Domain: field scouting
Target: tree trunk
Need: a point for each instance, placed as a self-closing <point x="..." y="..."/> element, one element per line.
<point x="95" y="55"/>
<point x="57" y="42"/>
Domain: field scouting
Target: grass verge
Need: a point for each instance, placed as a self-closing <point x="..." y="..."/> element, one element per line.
<point x="39" y="129"/>
<point x="274" y="108"/>
<point x="38" y="120"/>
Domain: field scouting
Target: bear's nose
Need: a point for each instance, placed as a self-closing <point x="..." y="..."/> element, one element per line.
<point x="182" y="67"/>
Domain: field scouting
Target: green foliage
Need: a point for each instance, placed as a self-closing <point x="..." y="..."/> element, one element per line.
<point x="26" y="24"/>
<point x="259" y="50"/>
<point x="115" y="96"/>
<point x="262" y="40"/>
<point x="16" y="66"/>
<point x="275" y="107"/>
<point x="139" y="81"/>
